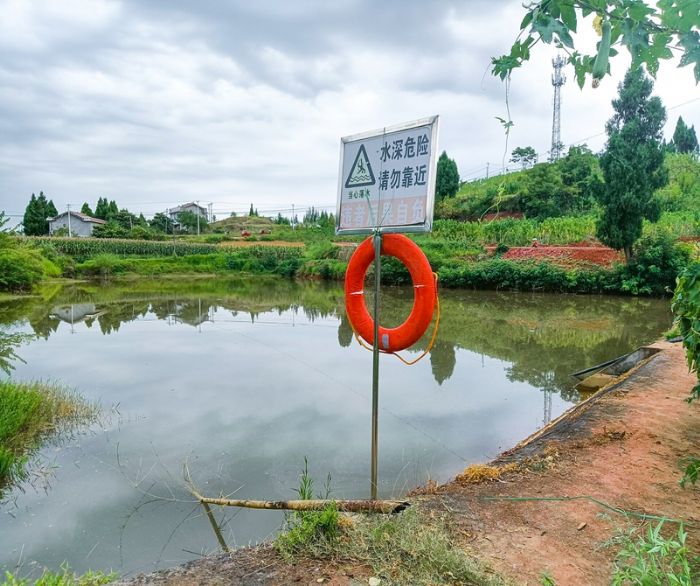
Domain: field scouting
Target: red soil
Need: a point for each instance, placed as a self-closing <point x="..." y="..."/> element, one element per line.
<point x="581" y="252"/>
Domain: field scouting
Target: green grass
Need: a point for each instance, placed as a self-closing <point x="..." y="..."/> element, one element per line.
<point x="31" y="413"/>
<point x="256" y="259"/>
<point x="407" y="548"/>
<point x="651" y="558"/>
<point x="307" y="531"/>
<point x="65" y="577"/>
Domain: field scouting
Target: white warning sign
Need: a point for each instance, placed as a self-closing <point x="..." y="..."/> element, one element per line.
<point x="361" y="171"/>
<point x="387" y="179"/>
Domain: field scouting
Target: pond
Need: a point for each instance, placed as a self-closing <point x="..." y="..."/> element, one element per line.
<point x="244" y="378"/>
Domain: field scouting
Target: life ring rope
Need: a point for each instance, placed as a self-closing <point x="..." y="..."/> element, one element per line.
<point x="436" y="327"/>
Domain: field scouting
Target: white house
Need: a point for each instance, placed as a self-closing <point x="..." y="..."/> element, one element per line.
<point x="172" y="213"/>
<point x="75" y="223"/>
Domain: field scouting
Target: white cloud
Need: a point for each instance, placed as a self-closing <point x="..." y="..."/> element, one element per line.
<point x="153" y="106"/>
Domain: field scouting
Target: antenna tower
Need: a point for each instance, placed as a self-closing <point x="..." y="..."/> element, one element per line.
<point x="558" y="80"/>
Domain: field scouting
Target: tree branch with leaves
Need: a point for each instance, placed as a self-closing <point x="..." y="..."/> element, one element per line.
<point x="650" y="34"/>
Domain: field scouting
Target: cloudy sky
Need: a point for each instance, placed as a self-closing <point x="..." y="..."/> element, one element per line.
<point x="158" y="102"/>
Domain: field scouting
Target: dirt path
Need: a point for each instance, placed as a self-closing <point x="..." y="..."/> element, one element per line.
<point x="624" y="448"/>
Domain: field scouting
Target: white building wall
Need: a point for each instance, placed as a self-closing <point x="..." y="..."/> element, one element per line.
<point x="78" y="227"/>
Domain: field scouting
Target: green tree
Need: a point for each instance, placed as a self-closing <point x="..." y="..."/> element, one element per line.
<point x="112" y="210"/>
<point x="110" y="230"/>
<point x="190" y="221"/>
<point x="632" y="164"/>
<point x="51" y="211"/>
<point x="102" y="208"/>
<point x="36" y="213"/>
<point x="124" y="218"/>
<point x="525" y="156"/>
<point x="647" y="32"/>
<point x="684" y="138"/>
<point x="29" y="220"/>
<point x="545" y="194"/>
<point x="86" y="209"/>
<point x="161" y="223"/>
<point x="447" y="178"/>
<point x="580" y="175"/>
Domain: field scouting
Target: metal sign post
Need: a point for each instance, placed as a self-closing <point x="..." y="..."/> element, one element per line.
<point x="375" y="363"/>
<point x="386" y="185"/>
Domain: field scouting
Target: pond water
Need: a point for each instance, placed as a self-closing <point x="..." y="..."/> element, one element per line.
<point x="244" y="378"/>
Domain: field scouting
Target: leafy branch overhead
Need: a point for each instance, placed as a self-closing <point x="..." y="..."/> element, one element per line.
<point x="649" y="33"/>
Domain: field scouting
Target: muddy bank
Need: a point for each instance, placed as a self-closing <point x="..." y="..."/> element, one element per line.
<point x="623" y="448"/>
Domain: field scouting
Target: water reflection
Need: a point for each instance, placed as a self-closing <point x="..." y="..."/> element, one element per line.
<point x="246" y="377"/>
<point x="544" y="338"/>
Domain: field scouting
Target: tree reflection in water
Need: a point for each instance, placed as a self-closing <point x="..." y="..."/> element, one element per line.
<point x="543" y="338"/>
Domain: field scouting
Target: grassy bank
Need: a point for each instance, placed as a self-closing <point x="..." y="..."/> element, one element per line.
<point x="30" y="414"/>
<point x="64" y="577"/>
<point x="456" y="250"/>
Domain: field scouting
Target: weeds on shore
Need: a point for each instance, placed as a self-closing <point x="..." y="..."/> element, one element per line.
<point x="407" y="548"/>
<point x="65" y="577"/>
<point x="311" y="532"/>
<point x="651" y="558"/>
<point x="29" y="414"/>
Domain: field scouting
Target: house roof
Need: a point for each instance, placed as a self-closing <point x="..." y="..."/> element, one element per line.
<point x="83" y="217"/>
<point x="181" y="207"/>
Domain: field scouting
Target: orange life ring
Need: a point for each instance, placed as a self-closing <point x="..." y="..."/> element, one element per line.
<point x="424" y="292"/>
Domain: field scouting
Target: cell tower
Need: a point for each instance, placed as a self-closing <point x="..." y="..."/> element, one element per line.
<point x="558" y="80"/>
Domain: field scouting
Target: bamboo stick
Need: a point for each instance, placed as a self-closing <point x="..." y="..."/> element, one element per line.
<point x="215" y="527"/>
<point x="346" y="506"/>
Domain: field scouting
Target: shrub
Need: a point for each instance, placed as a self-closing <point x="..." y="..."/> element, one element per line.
<point x="686" y="308"/>
<point x="102" y="265"/>
<point x="527" y="276"/>
<point x="21" y="268"/>
<point x="653" y="559"/>
<point x="656" y="263"/>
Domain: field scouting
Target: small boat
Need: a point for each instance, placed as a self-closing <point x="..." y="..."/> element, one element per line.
<point x="593" y="378"/>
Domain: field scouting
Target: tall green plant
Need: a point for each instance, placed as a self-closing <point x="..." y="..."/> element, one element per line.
<point x="684" y="138"/>
<point x="686" y="308"/>
<point x="632" y="164"/>
<point x="36" y="214"/>
<point x="652" y="559"/>
<point x="447" y="177"/>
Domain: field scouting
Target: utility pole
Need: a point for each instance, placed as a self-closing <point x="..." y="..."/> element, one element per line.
<point x="487" y="170"/>
<point x="293" y="217"/>
<point x="558" y="80"/>
<point x="198" y="213"/>
<point x="70" y="232"/>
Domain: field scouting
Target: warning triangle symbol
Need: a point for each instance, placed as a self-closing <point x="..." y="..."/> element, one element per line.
<point x="361" y="171"/>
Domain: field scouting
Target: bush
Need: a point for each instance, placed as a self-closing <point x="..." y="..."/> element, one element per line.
<point x="527" y="276"/>
<point x="686" y="308"/>
<point x="21" y="268"/>
<point x="102" y="265"/>
<point x="653" y="559"/>
<point x="656" y="263"/>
